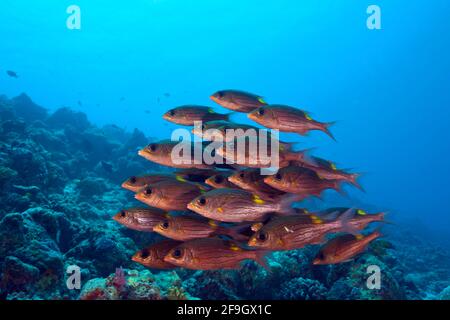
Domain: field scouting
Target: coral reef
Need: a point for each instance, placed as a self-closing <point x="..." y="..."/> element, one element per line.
<point x="60" y="178"/>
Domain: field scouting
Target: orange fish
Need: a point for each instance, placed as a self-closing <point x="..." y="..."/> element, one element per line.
<point x="184" y="228"/>
<point x="238" y="100"/>
<point x="212" y="254"/>
<point x="140" y="219"/>
<point x="169" y="195"/>
<point x="236" y="205"/>
<point x="136" y="184"/>
<point x="288" y="119"/>
<point x="172" y="154"/>
<point x="187" y="115"/>
<point x="344" y="248"/>
<point x="153" y="256"/>
<point x="297" y="231"/>
<point x="301" y="181"/>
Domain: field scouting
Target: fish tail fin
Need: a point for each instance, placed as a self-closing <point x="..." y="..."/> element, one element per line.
<point x="285" y="203"/>
<point x="326" y="128"/>
<point x="353" y="179"/>
<point x="260" y="256"/>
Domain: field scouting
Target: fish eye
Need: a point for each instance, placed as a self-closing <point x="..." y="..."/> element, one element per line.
<point x="213" y="153"/>
<point x="172" y="113"/>
<point x="218" y="179"/>
<point x="133" y="180"/>
<point x="220" y="94"/>
<point x="321" y="256"/>
<point x="145" y="254"/>
<point x="242" y="175"/>
<point x="165" y="225"/>
<point x="262" y="236"/>
<point x="176" y="253"/>
<point x="278" y="176"/>
<point x="148" y="191"/>
<point x="152" y="147"/>
<point x="123" y="213"/>
<point x="202" y="201"/>
<point x="261" y="111"/>
<point x="203" y="127"/>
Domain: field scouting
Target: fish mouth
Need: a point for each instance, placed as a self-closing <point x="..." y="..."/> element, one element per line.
<point x="252" y="115"/>
<point x="136" y="258"/>
<point x="252" y="242"/>
<point x="191" y="206"/>
<point x="166" y="117"/>
<point x="215" y="99"/>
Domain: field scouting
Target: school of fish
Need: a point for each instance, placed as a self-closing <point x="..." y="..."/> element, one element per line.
<point x="216" y="216"/>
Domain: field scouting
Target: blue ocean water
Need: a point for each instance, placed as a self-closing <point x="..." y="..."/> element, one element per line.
<point x="387" y="89"/>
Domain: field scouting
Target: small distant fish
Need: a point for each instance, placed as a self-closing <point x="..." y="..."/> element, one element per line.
<point x="161" y="153"/>
<point x="220" y="180"/>
<point x="169" y="195"/>
<point x="140" y="219"/>
<point x="167" y="94"/>
<point x="136" y="184"/>
<point x="297" y="231"/>
<point x="301" y="181"/>
<point x="251" y="180"/>
<point x="212" y="254"/>
<point x="288" y="119"/>
<point x="188" y="114"/>
<point x="236" y="205"/>
<point x="344" y="248"/>
<point x="108" y="167"/>
<point x="147" y="111"/>
<point x="153" y="256"/>
<point x="12" y="74"/>
<point x="239" y="101"/>
<point x="184" y="228"/>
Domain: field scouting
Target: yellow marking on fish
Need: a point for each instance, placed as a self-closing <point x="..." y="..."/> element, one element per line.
<point x="235" y="247"/>
<point x="181" y="179"/>
<point x="308" y="117"/>
<point x="280" y="242"/>
<point x="167" y="215"/>
<point x="359" y="237"/>
<point x="316" y="219"/>
<point x="213" y="223"/>
<point x="288" y="230"/>
<point x="257" y="200"/>
<point x="261" y="100"/>
<point x="210" y="110"/>
<point x="333" y="166"/>
<point x="305" y="211"/>
<point x="220" y="210"/>
<point x="361" y="212"/>
<point x="281" y="147"/>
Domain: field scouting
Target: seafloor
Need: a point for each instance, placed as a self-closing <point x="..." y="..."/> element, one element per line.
<point x="60" y="185"/>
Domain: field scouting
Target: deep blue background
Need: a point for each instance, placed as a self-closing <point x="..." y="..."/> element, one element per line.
<point x="389" y="89"/>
